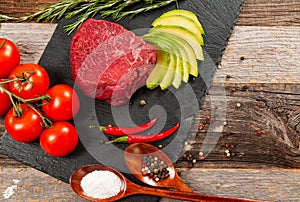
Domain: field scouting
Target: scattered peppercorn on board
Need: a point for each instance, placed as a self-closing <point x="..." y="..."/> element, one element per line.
<point x="217" y="19"/>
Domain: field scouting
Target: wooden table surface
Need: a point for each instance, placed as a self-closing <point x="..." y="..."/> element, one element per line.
<point x="260" y="79"/>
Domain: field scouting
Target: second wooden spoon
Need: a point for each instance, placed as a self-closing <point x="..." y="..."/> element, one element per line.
<point x="134" y="159"/>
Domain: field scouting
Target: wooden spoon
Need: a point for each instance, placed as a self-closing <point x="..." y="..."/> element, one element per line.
<point x="129" y="188"/>
<point x="134" y="159"/>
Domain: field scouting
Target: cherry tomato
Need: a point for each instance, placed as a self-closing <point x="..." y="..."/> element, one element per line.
<point x="25" y="128"/>
<point x="59" y="140"/>
<point x="63" y="105"/>
<point x="36" y="81"/>
<point x="9" y="57"/>
<point x="5" y="103"/>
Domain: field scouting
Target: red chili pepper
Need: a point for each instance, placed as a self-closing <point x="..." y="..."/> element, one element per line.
<point x="118" y="131"/>
<point x="145" y="138"/>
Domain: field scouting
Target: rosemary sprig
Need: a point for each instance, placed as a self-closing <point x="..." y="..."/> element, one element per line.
<point x="151" y="6"/>
<point x="117" y="9"/>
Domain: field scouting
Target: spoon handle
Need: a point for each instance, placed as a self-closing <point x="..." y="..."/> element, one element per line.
<point x="189" y="196"/>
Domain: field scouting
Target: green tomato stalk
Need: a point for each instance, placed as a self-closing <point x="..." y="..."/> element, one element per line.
<point x="46" y="122"/>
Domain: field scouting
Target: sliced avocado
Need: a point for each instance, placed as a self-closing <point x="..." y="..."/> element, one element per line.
<point x="190" y="65"/>
<point x="178" y="73"/>
<point x="170" y="73"/>
<point x="159" y="69"/>
<point x="184" y="33"/>
<point x="174" y="61"/>
<point x="178" y="20"/>
<point x="188" y="14"/>
<point x="185" y="24"/>
<point x="182" y="69"/>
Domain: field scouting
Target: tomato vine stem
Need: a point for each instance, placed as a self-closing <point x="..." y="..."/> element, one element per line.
<point x="47" y="122"/>
<point x="3" y="43"/>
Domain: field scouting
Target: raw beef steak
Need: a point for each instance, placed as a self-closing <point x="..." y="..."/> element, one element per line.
<point x="109" y="62"/>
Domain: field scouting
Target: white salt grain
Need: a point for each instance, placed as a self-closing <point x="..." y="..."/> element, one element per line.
<point x="101" y="184"/>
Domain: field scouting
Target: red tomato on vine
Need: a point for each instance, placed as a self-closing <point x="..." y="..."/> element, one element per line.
<point x="25" y="127"/>
<point x="29" y="81"/>
<point x="9" y="57"/>
<point x="59" y="140"/>
<point x="63" y="104"/>
<point x="5" y="102"/>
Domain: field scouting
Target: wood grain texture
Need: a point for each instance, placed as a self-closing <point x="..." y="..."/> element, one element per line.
<point x="31" y="38"/>
<point x="268" y="184"/>
<point x="254" y="13"/>
<point x="267" y="55"/>
<point x="29" y="184"/>
<point x="259" y="130"/>
<point x="270" y="13"/>
<point x="18" y="8"/>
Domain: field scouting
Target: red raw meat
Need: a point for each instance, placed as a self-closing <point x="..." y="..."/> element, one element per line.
<point x="109" y="62"/>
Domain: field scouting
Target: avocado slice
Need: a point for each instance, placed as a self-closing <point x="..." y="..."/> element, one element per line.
<point x="174" y="61"/>
<point x="187" y="14"/>
<point x="170" y="73"/>
<point x="159" y="69"/>
<point x="179" y="20"/>
<point x="190" y="65"/>
<point x="194" y="41"/>
<point x="178" y="73"/>
<point x="182" y="58"/>
<point x="182" y="31"/>
<point x="184" y="23"/>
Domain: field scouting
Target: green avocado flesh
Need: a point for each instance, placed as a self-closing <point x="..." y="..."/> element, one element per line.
<point x="170" y="73"/>
<point x="174" y="61"/>
<point x="187" y="14"/>
<point x="190" y="65"/>
<point x="177" y="35"/>
<point x="159" y="69"/>
<point x="185" y="24"/>
<point x="195" y="42"/>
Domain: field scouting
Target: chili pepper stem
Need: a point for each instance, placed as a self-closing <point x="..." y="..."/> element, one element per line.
<point x="122" y="139"/>
<point x="101" y="128"/>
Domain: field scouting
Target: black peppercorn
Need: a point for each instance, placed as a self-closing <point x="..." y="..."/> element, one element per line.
<point x="155" y="168"/>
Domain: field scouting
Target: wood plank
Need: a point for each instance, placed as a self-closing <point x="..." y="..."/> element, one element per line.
<point x="270" y="13"/>
<point x="28" y="184"/>
<point x="266" y="184"/>
<point x="263" y="131"/>
<point x="31" y="48"/>
<point x="254" y="12"/>
<point x="282" y="185"/>
<point x="267" y="55"/>
<point x="18" y="8"/>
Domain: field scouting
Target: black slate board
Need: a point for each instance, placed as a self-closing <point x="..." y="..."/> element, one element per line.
<point x="217" y="17"/>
